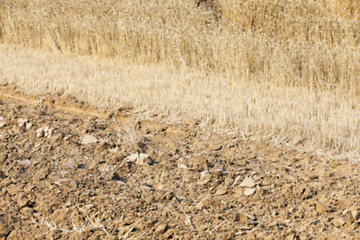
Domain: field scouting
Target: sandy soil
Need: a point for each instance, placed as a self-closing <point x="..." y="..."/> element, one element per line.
<point x="69" y="173"/>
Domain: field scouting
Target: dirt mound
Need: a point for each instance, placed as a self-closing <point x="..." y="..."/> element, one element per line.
<point x="66" y="175"/>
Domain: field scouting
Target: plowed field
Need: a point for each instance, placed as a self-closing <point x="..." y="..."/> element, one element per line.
<point x="68" y="172"/>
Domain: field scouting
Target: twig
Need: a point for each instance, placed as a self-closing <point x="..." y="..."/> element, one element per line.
<point x="188" y="218"/>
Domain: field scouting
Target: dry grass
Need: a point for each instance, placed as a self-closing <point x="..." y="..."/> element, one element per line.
<point x="284" y="71"/>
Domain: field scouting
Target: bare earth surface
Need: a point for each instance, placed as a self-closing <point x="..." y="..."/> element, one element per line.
<point x="72" y="175"/>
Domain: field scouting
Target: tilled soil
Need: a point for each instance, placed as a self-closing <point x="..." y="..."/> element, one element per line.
<point x="67" y="175"/>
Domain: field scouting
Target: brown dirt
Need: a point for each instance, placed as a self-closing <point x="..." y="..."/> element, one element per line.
<point x="54" y="185"/>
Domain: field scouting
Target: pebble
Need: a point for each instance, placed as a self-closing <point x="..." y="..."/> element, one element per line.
<point x="88" y="139"/>
<point x="161" y="229"/>
<point x="247" y="182"/>
<point x="44" y="132"/>
<point x="139" y="158"/>
<point x="249" y="191"/>
<point x="320" y="208"/>
<point x="222" y="190"/>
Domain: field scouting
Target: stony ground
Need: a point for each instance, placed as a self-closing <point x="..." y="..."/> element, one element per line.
<point x="72" y="175"/>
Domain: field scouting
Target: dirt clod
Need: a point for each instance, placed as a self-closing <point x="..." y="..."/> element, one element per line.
<point x="4" y="229"/>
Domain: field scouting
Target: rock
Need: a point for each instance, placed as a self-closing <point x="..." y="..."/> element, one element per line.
<point x="249" y="191"/>
<point x="24" y="123"/>
<point x="339" y="222"/>
<point x="320" y="209"/>
<point x="203" y="227"/>
<point x="27" y="212"/>
<point x="205" y="177"/>
<point x="181" y="164"/>
<point x="354" y="212"/>
<point x="21" y="122"/>
<point x="2" y="124"/>
<point x="25" y="163"/>
<point x="286" y="189"/>
<point x="24" y="202"/>
<point x="161" y="229"/>
<point x="41" y="174"/>
<point x="44" y="132"/>
<point x="266" y="182"/>
<point x="218" y="172"/>
<point x="222" y="190"/>
<point x="169" y="195"/>
<point x="139" y="158"/>
<point x="88" y="139"/>
<point x="247" y="182"/>
<point x="249" y="216"/>
<point x="344" y="201"/>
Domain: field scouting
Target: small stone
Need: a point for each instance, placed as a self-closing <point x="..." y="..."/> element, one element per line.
<point x="205" y="177"/>
<point x="169" y="195"/>
<point x="44" y="132"/>
<point x="25" y="163"/>
<point x="286" y="189"/>
<point x="27" y="211"/>
<point x="354" y="212"/>
<point x="73" y="184"/>
<point x="21" y="122"/>
<point x="181" y="164"/>
<point x="250" y="216"/>
<point x="247" y="182"/>
<point x="249" y="191"/>
<point x="139" y="158"/>
<point x="88" y="139"/>
<point x="2" y="124"/>
<point x="161" y="229"/>
<point x="202" y="228"/>
<point x="218" y="172"/>
<point x="222" y="190"/>
<point x="344" y="201"/>
<point x="320" y="208"/>
<point x="41" y="174"/>
<point x="24" y="202"/>
<point x="266" y="182"/>
<point x="339" y="222"/>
